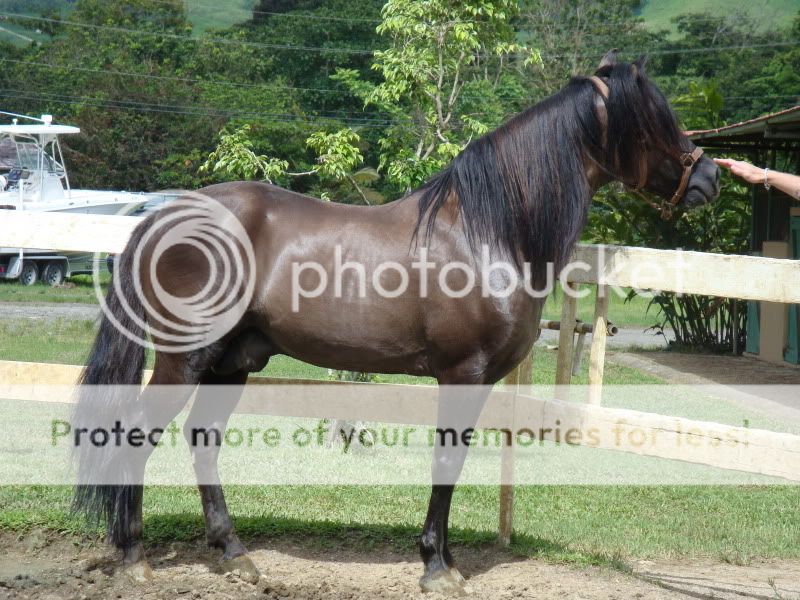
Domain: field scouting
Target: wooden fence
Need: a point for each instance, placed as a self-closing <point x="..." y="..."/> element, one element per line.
<point x="742" y="277"/>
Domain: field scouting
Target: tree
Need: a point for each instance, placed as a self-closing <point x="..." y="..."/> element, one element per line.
<point x="336" y="33"/>
<point x="438" y="49"/>
<point x="337" y="157"/>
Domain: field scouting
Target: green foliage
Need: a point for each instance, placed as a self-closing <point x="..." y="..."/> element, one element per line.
<point x="699" y="322"/>
<point x="337" y="156"/>
<point x="337" y="153"/>
<point x="234" y="158"/>
<point x="757" y="69"/>
<point x="700" y="106"/>
<point x="329" y="27"/>
<point x="436" y="47"/>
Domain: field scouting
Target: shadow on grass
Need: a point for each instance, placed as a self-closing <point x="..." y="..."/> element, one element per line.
<point x="475" y="551"/>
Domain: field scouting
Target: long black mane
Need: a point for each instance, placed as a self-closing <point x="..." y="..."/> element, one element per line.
<point x="523" y="187"/>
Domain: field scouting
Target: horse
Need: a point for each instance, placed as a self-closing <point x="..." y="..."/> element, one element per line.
<point x="521" y="193"/>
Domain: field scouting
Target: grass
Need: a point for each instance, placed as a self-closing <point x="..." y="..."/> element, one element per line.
<point x="769" y="14"/>
<point x="633" y="313"/>
<point x="79" y="290"/>
<point x="576" y="524"/>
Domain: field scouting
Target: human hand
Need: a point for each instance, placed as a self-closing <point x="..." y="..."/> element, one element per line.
<point x="745" y="170"/>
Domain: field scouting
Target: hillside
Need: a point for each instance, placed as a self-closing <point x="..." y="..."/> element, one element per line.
<point x="204" y="15"/>
<point x="207" y="14"/>
<point x="766" y="13"/>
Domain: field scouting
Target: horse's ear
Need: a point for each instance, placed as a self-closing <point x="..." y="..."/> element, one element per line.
<point x="640" y="63"/>
<point x="609" y="59"/>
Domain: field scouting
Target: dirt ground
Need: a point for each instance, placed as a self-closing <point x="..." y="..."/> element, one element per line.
<point x="44" y="566"/>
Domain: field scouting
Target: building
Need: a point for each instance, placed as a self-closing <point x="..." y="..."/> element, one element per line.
<point x="773" y="331"/>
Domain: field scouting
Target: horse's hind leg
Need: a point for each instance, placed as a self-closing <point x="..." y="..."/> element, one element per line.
<point x="204" y="430"/>
<point x="154" y="411"/>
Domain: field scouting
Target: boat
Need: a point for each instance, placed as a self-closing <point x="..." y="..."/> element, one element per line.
<point x="34" y="178"/>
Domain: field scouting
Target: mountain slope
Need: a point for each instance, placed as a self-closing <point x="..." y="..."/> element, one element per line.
<point x="767" y="14"/>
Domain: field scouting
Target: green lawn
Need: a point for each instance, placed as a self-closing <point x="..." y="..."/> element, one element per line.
<point x="579" y="524"/>
<point x="78" y="289"/>
<point x="633" y="313"/>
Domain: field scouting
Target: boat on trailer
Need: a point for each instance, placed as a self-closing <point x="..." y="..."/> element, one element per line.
<point x="34" y="178"/>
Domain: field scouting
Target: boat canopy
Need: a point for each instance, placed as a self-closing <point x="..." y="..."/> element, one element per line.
<point x="34" y="130"/>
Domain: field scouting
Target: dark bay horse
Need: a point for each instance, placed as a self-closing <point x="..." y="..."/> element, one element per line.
<point x="522" y="191"/>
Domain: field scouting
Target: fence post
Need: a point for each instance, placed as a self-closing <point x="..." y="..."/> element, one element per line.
<point x="597" y="357"/>
<point x="566" y="340"/>
<point x="519" y="378"/>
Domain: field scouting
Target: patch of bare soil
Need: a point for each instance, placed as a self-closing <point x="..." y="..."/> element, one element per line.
<point x="765" y="580"/>
<point x="42" y="566"/>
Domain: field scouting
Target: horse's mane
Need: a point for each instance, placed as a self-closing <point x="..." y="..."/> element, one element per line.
<point x="522" y="188"/>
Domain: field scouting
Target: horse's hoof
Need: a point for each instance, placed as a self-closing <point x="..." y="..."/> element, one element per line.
<point x="447" y="583"/>
<point x="138" y="572"/>
<point x="243" y="568"/>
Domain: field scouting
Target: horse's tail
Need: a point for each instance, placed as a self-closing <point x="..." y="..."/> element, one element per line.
<point x="116" y="363"/>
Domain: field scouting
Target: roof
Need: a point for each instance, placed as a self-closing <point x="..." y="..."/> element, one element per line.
<point x="777" y="130"/>
<point x="38" y="129"/>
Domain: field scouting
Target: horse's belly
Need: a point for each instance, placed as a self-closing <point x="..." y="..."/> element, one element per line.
<point x="351" y="336"/>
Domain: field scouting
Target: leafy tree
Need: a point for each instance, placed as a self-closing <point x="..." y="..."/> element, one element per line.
<point x="234" y="158"/>
<point x="437" y="49"/>
<point x="700" y="107"/>
<point x="337" y="33"/>
<point x="337" y="156"/>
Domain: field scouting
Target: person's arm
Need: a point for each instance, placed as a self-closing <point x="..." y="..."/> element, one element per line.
<point x="785" y="182"/>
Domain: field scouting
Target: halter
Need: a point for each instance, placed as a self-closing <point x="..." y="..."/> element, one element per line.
<point x="687" y="161"/>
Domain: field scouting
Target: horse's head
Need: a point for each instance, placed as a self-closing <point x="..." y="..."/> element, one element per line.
<point x="645" y="147"/>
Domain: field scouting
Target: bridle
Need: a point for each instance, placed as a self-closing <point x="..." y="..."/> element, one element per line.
<point x="687" y="160"/>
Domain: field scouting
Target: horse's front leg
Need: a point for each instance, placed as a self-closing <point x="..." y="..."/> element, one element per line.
<point x="204" y="431"/>
<point x="459" y="408"/>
